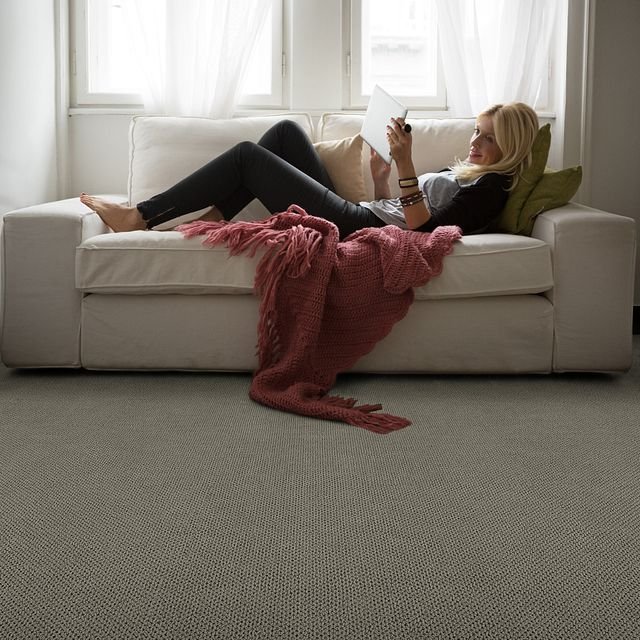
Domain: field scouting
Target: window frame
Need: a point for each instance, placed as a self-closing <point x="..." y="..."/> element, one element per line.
<point x="80" y="66"/>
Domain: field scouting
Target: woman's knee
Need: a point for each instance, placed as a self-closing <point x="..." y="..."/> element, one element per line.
<point x="287" y="124"/>
<point x="245" y="149"/>
<point x="289" y="128"/>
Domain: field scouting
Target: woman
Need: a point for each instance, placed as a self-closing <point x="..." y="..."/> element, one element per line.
<point x="283" y="168"/>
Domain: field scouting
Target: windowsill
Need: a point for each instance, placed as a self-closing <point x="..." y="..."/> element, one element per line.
<point x="248" y="111"/>
<point x="106" y="111"/>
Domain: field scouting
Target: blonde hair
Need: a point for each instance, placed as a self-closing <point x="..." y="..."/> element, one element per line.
<point x="515" y="126"/>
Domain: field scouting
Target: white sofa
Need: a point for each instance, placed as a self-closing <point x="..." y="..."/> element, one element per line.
<point x="77" y="295"/>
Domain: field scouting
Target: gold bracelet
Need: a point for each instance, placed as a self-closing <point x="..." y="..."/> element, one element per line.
<point x="407" y="183"/>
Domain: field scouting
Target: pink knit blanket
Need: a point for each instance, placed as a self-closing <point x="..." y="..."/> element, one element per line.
<point x="325" y="303"/>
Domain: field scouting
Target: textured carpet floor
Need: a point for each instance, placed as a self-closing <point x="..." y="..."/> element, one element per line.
<point x="171" y="506"/>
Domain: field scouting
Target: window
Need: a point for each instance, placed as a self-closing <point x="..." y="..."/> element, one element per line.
<point x="395" y="45"/>
<point x="263" y="84"/>
<point x="101" y="53"/>
<point x="100" y="59"/>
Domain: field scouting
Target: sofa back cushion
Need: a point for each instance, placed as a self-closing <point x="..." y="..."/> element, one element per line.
<point x="436" y="142"/>
<point x="165" y="149"/>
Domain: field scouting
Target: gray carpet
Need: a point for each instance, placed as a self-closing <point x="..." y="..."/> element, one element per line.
<point x="171" y="506"/>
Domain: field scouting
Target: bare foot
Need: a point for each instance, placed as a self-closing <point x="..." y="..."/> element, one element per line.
<point x="213" y="215"/>
<point x="116" y="216"/>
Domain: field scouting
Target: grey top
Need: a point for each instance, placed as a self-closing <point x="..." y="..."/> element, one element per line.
<point x="471" y="205"/>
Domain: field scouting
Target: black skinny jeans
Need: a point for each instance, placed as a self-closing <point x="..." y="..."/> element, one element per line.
<point x="283" y="168"/>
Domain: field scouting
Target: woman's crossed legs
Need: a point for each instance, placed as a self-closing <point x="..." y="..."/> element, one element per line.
<point x="283" y="168"/>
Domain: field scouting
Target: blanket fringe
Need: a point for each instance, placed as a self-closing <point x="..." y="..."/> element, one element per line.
<point x="290" y="246"/>
<point x="378" y="422"/>
<point x="363" y="416"/>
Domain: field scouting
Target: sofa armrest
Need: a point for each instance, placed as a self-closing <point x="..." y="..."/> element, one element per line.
<point x="593" y="255"/>
<point x="41" y="305"/>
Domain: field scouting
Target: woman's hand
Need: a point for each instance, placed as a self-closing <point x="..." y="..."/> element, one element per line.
<point x="400" y="142"/>
<point x="380" y="172"/>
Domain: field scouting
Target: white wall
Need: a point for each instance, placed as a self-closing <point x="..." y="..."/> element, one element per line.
<point x="315" y="83"/>
<point x="614" y="145"/>
<point x="28" y="154"/>
<point x="98" y="154"/>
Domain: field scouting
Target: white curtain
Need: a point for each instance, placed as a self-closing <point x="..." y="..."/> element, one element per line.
<point x="193" y="53"/>
<point x="495" y="51"/>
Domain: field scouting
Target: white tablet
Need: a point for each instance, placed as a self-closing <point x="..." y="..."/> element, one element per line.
<point x="382" y="107"/>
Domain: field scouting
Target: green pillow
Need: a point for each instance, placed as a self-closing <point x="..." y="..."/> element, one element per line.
<point x="508" y="220"/>
<point x="554" y="189"/>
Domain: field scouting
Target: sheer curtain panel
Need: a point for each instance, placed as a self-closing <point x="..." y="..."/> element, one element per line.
<point x="496" y="51"/>
<point x="193" y="53"/>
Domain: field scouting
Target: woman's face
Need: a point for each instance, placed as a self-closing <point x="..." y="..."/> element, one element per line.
<point x="483" y="148"/>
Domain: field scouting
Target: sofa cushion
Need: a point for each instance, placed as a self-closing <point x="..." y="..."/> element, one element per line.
<point x="142" y="262"/>
<point x="509" y="218"/>
<point x="165" y="149"/>
<point x="553" y="190"/>
<point x="492" y="264"/>
<point x="342" y="160"/>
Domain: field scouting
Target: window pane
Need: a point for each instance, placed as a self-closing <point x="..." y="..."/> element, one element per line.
<point x="257" y="79"/>
<point x="109" y="53"/>
<point x="400" y="47"/>
<point x="109" y="50"/>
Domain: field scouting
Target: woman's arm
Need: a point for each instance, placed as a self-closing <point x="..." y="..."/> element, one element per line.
<point x="400" y="142"/>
